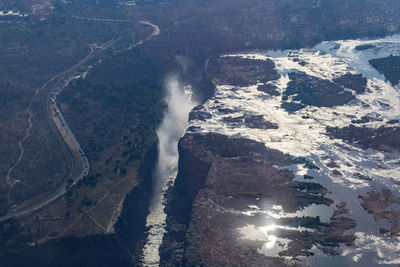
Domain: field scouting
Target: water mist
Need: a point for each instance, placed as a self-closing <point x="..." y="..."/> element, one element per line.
<point x="172" y="128"/>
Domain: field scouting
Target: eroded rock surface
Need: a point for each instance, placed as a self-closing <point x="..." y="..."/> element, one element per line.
<point x="383" y="138"/>
<point x="241" y="71"/>
<point x="233" y="196"/>
<point x="383" y="205"/>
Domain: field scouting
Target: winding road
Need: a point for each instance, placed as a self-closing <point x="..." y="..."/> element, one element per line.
<point x="69" y="145"/>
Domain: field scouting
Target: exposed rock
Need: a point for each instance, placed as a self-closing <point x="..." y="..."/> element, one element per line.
<point x="337" y="173"/>
<point x="225" y="110"/>
<point x="393" y="122"/>
<point x="243" y="72"/>
<point x="314" y="91"/>
<point x="199" y="115"/>
<point x="355" y="82"/>
<point x="258" y="122"/>
<point x="364" y="119"/>
<point x="383" y="205"/>
<point x="389" y="67"/>
<point x="383" y="138"/>
<point x="292" y="107"/>
<point x="231" y="119"/>
<point x="332" y="164"/>
<point x="269" y="89"/>
<point x="364" y="47"/>
<point x="362" y="177"/>
<point x="218" y="179"/>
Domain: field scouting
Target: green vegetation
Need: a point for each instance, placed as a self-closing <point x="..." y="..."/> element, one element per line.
<point x="14" y="236"/>
<point x="32" y="52"/>
<point x="100" y="251"/>
<point x="123" y="93"/>
<point x="115" y="110"/>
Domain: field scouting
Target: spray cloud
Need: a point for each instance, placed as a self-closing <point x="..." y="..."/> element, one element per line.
<point x="172" y="128"/>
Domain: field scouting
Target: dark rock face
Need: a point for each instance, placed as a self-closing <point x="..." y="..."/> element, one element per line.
<point x="239" y="71"/>
<point x="130" y="227"/>
<point x="233" y="120"/>
<point x="363" y="119"/>
<point x="268" y="89"/>
<point x="353" y="81"/>
<point x="254" y="122"/>
<point x="383" y="138"/>
<point x="292" y="107"/>
<point x="364" y="47"/>
<point x="313" y="91"/>
<point x="180" y="205"/>
<point x="258" y="122"/>
<point x="389" y="67"/>
<point x="218" y="179"/>
<point x="198" y="114"/>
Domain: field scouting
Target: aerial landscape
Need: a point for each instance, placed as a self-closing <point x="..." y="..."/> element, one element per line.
<point x="200" y="133"/>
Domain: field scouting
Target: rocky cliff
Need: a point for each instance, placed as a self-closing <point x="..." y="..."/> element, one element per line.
<point x="221" y="190"/>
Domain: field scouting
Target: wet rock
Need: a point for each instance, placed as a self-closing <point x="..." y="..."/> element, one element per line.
<point x="239" y="71"/>
<point x="198" y="114"/>
<point x="337" y="173"/>
<point x="230" y="119"/>
<point x="313" y="91"/>
<point x="269" y="89"/>
<point x="389" y="67"/>
<point x="393" y="122"/>
<point x="382" y="138"/>
<point x="193" y="128"/>
<point x="332" y="164"/>
<point x="258" y="122"/>
<point x="225" y="110"/>
<point x="364" y="119"/>
<point x="362" y="177"/>
<point x="292" y="107"/>
<point x="355" y="82"/>
<point x="308" y="177"/>
<point x="219" y="178"/>
<point x="383" y="205"/>
<point x="364" y="47"/>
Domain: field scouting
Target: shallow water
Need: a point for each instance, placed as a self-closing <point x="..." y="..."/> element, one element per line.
<point x="303" y="134"/>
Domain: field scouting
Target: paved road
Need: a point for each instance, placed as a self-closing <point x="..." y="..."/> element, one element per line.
<point x="63" y="133"/>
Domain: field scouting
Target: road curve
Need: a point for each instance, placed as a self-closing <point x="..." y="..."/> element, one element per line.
<point x="57" y="123"/>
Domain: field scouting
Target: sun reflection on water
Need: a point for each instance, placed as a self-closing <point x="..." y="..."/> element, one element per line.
<point x="273" y="244"/>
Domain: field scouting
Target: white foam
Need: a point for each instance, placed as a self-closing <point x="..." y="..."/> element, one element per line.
<point x="303" y="133"/>
<point x="12" y="13"/>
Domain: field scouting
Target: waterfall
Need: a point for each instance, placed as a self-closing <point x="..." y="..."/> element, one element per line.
<point x="172" y="128"/>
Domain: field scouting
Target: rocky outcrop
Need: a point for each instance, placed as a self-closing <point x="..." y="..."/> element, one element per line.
<point x="243" y="72"/>
<point x="382" y="138"/>
<point x="383" y="206"/>
<point x="221" y="184"/>
<point x="314" y="91"/>
<point x="355" y="82"/>
<point x="389" y="67"/>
